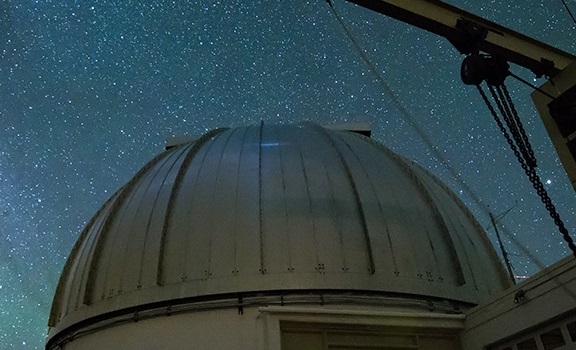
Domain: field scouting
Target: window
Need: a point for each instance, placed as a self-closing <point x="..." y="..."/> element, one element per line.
<point x="560" y="334"/>
<point x="302" y="341"/>
<point x="367" y="340"/>
<point x="529" y="344"/>
<point x="552" y="339"/>
<point x="347" y="337"/>
<point x="572" y="330"/>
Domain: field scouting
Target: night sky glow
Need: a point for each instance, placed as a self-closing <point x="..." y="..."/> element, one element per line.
<point x="90" y="90"/>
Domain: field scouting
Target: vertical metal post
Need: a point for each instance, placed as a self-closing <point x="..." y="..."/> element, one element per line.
<point x="504" y="253"/>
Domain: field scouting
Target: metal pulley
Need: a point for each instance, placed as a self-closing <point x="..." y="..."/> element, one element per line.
<point x="476" y="68"/>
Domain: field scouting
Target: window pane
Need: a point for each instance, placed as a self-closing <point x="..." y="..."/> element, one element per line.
<point x="529" y="344"/>
<point x="302" y="341"/>
<point x="438" y="343"/>
<point x="572" y="330"/>
<point x="370" y="340"/>
<point x="365" y="348"/>
<point x="552" y="339"/>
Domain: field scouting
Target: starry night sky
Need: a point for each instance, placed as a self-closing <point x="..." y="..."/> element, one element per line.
<point x="90" y="91"/>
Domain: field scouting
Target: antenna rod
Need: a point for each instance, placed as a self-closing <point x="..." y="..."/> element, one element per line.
<point x="504" y="253"/>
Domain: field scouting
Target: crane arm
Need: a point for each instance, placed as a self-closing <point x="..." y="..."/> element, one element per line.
<point x="470" y="33"/>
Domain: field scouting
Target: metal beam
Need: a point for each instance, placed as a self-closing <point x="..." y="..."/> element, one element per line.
<point x="470" y="33"/>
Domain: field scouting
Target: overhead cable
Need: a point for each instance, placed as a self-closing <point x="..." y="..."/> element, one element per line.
<point x="569" y="12"/>
<point x="405" y="114"/>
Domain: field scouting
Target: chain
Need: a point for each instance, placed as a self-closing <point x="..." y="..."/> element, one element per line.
<point x="531" y="158"/>
<point x="501" y="126"/>
<point x="512" y="122"/>
<point x="529" y="170"/>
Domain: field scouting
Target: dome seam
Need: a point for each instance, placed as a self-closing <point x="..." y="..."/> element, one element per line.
<point x="174" y="192"/>
<point x="358" y="202"/>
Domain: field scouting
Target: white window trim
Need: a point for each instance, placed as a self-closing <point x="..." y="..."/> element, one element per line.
<point x="274" y="315"/>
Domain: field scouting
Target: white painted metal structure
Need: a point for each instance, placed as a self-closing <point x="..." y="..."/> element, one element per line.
<point x="562" y="136"/>
<point x="539" y="313"/>
<point x="268" y="215"/>
<point x="470" y="33"/>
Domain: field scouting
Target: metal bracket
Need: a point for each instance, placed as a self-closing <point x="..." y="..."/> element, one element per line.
<point x="520" y="296"/>
<point x="472" y="33"/>
<point x="240" y="305"/>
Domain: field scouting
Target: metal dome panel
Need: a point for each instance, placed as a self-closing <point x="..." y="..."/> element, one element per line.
<point x="266" y="208"/>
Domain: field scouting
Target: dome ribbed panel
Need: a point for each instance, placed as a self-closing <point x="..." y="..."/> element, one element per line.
<point x="123" y="235"/>
<point x="398" y="214"/>
<point x="228" y="232"/>
<point x="286" y="173"/>
<point x="313" y="199"/>
<point x="438" y="224"/>
<point x="471" y="246"/>
<point x="173" y="261"/>
<point x="267" y="208"/>
<point x="73" y="279"/>
<point x="356" y="203"/>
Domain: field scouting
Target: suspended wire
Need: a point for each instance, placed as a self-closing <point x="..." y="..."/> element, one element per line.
<point x="531" y="85"/>
<point x="407" y="116"/>
<point x="501" y="216"/>
<point x="569" y="12"/>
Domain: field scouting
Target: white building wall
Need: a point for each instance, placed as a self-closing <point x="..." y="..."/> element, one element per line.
<point x="257" y="328"/>
<point x="204" y="330"/>
<point x="526" y="309"/>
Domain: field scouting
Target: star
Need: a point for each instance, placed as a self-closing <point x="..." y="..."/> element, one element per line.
<point x="91" y="90"/>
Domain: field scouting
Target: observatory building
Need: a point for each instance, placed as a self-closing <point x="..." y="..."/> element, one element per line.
<point x="297" y="237"/>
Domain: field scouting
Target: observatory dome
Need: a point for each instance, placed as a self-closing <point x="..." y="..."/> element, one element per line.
<point x="274" y="210"/>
